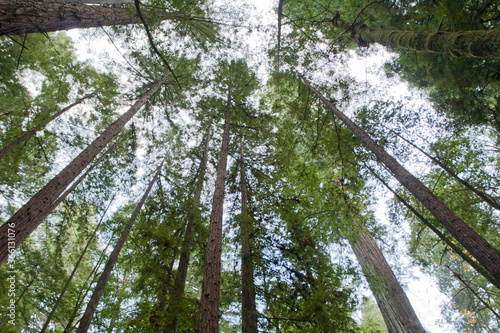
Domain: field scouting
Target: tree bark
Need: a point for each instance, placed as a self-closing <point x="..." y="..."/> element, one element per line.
<point x="32" y="16"/>
<point x="29" y="133"/>
<point x="438" y="233"/>
<point x="396" y="309"/>
<point x="103" y="280"/>
<point x="82" y="294"/>
<point x="61" y="295"/>
<point x="100" y="2"/>
<point x="248" y="309"/>
<point x="478" y="247"/>
<point x="27" y="218"/>
<point x="77" y="182"/>
<point x="478" y="43"/>
<point x="208" y="320"/>
<point x="182" y="268"/>
<point x="37" y="16"/>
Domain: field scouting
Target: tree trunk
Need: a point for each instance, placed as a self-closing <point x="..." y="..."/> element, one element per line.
<point x="82" y="294"/>
<point x="32" y="16"/>
<point x="100" y="2"/>
<point x="182" y="268"/>
<point x="248" y="310"/>
<point x="59" y="299"/>
<point x="478" y="247"/>
<point x="479" y="43"/>
<point x="29" y="133"/>
<point x="103" y="280"/>
<point x="77" y="182"/>
<point x="438" y="233"/>
<point x="208" y="320"/>
<point x="396" y="309"/>
<point x="26" y="220"/>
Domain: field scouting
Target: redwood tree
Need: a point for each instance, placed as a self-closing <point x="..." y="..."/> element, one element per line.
<point x="485" y="253"/>
<point x="32" y="16"/>
<point x="396" y="309"/>
<point x="238" y="82"/>
<point x="103" y="280"/>
<point x="248" y="310"/>
<point x="208" y="320"/>
<point x="28" y="218"/>
<point x="182" y="268"/>
<point x="479" y="43"/>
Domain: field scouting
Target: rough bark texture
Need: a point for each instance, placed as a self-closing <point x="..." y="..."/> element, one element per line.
<point x="110" y="264"/>
<point x="101" y="2"/>
<point x="28" y="217"/>
<point x="479" y="43"/>
<point x="478" y="247"/>
<point x="248" y="310"/>
<point x="208" y="320"/>
<point x="182" y="268"/>
<point x="31" y="16"/>
<point x="396" y="309"/>
<point x="29" y="133"/>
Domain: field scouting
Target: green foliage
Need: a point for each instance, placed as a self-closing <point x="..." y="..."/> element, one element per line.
<point x="465" y="155"/>
<point x="372" y="320"/>
<point x="307" y="182"/>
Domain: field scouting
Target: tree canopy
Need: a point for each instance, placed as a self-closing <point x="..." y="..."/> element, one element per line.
<point x="216" y="167"/>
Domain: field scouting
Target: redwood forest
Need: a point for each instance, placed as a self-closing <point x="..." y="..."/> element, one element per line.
<point x="250" y="166"/>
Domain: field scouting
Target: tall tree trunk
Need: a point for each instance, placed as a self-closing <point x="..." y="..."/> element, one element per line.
<point x="77" y="182"/>
<point x="82" y="294"/>
<point x="443" y="237"/>
<point x="100" y="2"/>
<point x="182" y="268"/>
<point x="479" y="43"/>
<point x="61" y="295"/>
<point x="29" y="133"/>
<point x="103" y="280"/>
<point x="208" y="320"/>
<point x="32" y="16"/>
<point x="26" y="220"/>
<point x="478" y="247"/>
<point x="396" y="309"/>
<point x="248" y="309"/>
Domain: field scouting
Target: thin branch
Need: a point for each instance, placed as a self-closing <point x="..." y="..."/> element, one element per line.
<point x="117" y="49"/>
<point x="150" y="38"/>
